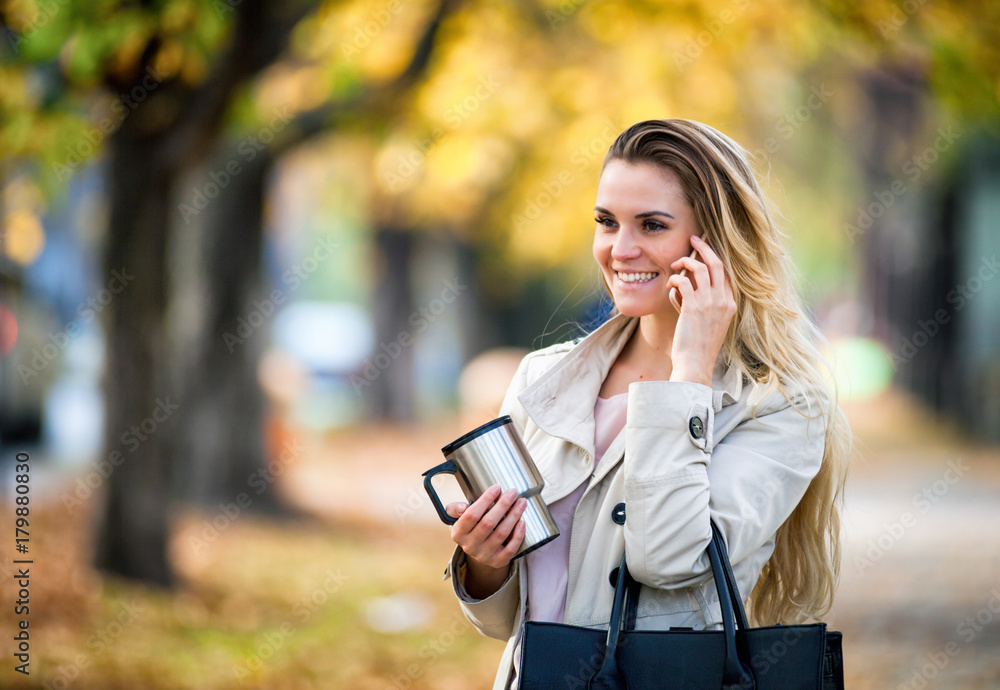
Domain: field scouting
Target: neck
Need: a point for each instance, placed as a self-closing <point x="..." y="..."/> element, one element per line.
<point x="650" y="345"/>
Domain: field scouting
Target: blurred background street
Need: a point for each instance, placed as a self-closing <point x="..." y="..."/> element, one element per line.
<point x="261" y="259"/>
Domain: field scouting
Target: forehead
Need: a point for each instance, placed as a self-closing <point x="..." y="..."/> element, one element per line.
<point x="628" y="185"/>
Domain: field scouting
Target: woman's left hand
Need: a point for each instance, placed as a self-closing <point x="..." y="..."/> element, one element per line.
<point x="707" y="307"/>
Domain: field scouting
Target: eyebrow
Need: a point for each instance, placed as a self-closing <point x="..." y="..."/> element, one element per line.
<point x="647" y="214"/>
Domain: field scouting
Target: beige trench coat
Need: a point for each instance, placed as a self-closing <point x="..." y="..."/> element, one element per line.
<point x="687" y="452"/>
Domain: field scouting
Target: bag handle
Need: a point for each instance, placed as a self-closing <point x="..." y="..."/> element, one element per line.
<point x="608" y="677"/>
<point x="735" y="675"/>
<point x="742" y="622"/>
<point x="731" y="584"/>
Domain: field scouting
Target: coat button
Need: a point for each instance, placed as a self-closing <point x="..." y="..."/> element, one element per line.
<point x="697" y="427"/>
<point x="613" y="577"/>
<point x="618" y="514"/>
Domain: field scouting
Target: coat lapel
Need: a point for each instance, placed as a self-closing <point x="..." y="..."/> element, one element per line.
<point x="561" y="401"/>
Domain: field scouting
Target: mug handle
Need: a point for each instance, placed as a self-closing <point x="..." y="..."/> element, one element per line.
<point x="447" y="467"/>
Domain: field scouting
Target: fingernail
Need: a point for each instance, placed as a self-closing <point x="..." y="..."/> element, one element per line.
<point x="461" y="507"/>
<point x="522" y="503"/>
<point x="511" y="493"/>
<point x="494" y="490"/>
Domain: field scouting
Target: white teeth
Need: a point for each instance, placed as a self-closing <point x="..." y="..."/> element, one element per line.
<point x="636" y="277"/>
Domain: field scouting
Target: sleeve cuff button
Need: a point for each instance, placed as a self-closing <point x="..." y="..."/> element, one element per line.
<point x="697" y="427"/>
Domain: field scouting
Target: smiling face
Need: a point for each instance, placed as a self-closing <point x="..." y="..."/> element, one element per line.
<point x="644" y="224"/>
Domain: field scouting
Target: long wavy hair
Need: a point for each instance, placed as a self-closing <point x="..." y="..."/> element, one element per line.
<point x="772" y="341"/>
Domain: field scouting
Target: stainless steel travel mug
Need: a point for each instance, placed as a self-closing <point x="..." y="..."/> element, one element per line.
<point x="495" y="454"/>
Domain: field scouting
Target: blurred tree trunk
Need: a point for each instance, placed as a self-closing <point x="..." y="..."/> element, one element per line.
<point x="221" y="439"/>
<point x="390" y="392"/>
<point x="171" y="130"/>
<point x="132" y="535"/>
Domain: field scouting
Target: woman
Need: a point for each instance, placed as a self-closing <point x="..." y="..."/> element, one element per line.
<point x="660" y="420"/>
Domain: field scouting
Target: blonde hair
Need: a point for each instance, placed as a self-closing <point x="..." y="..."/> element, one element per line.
<point x="772" y="341"/>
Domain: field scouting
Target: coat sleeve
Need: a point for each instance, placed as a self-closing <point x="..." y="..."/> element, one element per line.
<point x="678" y="476"/>
<point x="494" y="616"/>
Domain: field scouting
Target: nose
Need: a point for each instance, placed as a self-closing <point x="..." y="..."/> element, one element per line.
<point x="625" y="246"/>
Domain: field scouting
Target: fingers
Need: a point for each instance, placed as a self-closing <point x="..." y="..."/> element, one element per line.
<point x="697" y="277"/>
<point x="494" y="516"/>
<point x="474" y="513"/>
<point x="721" y="286"/>
<point x="505" y="554"/>
<point x="506" y="527"/>
<point x="490" y="530"/>
<point x="709" y="278"/>
<point x="683" y="285"/>
<point x="499" y="548"/>
<point x="716" y="268"/>
<point x="455" y="510"/>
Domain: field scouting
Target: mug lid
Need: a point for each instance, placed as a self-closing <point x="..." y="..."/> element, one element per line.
<point x="475" y="433"/>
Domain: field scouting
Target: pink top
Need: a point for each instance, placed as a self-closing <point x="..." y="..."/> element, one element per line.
<point x="548" y="565"/>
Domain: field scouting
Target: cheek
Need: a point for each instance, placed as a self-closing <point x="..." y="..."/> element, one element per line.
<point x="601" y="249"/>
<point x="675" y="250"/>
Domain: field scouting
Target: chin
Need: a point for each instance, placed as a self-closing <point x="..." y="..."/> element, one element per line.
<point x="629" y="308"/>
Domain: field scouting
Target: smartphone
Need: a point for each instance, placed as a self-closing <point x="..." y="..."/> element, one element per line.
<point x="674" y="295"/>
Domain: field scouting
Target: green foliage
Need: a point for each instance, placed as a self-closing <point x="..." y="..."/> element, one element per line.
<point x="65" y="63"/>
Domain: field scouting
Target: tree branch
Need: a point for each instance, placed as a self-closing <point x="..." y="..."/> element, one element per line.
<point x="370" y="99"/>
<point x="260" y="33"/>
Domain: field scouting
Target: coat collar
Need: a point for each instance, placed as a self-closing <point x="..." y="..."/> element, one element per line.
<point x="561" y="401"/>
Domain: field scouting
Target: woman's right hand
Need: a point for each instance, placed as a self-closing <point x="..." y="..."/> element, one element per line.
<point x="481" y="530"/>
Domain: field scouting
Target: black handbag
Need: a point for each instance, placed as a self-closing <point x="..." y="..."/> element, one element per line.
<point x="777" y="657"/>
